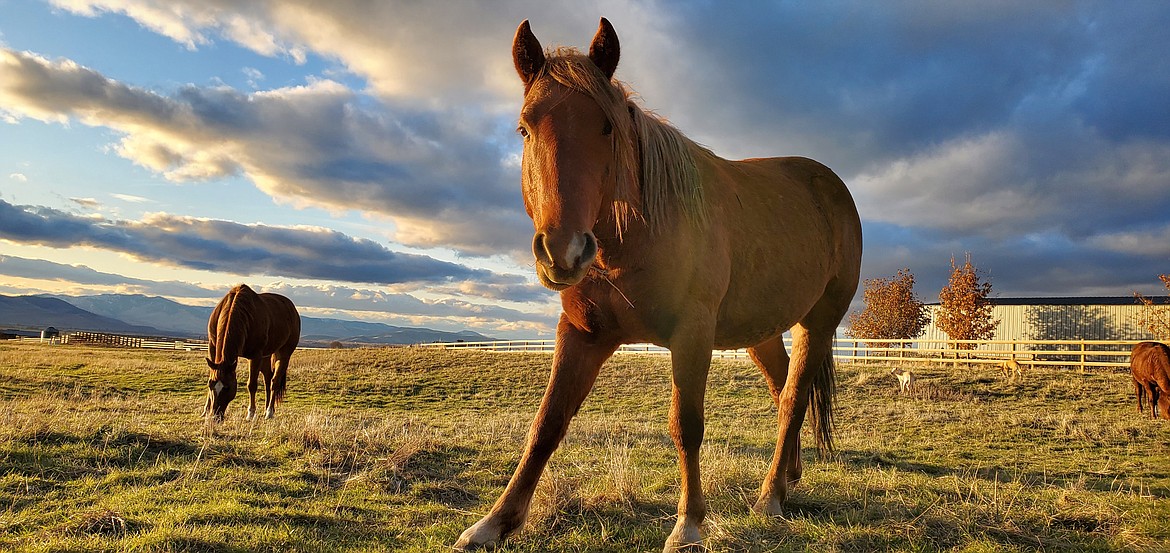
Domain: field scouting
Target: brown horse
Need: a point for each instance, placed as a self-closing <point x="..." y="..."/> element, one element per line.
<point x="650" y="237"/>
<point x="262" y="328"/>
<point x="1149" y="363"/>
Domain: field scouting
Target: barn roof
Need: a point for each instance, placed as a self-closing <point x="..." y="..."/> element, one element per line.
<point x="1076" y="300"/>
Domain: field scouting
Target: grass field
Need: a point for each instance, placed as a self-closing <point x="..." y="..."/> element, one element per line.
<point x="401" y="449"/>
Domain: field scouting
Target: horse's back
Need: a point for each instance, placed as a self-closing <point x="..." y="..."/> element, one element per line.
<point x="284" y="322"/>
<point x="1150" y="361"/>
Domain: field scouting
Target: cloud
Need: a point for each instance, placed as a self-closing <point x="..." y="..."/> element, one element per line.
<point x="37" y="269"/>
<point x="132" y="198"/>
<point x="361" y="301"/>
<point x="216" y="245"/>
<point x="18" y="177"/>
<point x="329" y="300"/>
<point x="319" y="144"/>
<point x="1035" y="135"/>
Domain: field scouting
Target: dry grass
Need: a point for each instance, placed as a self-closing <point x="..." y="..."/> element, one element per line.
<point x="400" y="449"/>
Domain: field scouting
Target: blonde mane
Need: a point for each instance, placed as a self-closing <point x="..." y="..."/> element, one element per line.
<point x="655" y="162"/>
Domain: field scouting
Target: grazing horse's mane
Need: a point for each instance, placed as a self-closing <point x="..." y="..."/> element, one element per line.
<point x="655" y="163"/>
<point x="235" y="320"/>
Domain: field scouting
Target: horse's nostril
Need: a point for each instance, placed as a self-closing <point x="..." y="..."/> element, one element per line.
<point x="540" y="249"/>
<point x="589" y="250"/>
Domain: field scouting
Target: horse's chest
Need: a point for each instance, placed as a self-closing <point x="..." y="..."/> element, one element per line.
<point x="602" y="307"/>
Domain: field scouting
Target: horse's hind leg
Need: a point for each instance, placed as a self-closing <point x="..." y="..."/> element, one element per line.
<point x="791" y="404"/>
<point x="772" y="359"/>
<point x="1140" y="392"/>
<point x="257" y="366"/>
<point x="809" y="381"/>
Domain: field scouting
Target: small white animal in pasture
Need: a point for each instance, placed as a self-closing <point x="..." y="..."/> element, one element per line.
<point x="905" y="379"/>
<point x="1011" y="368"/>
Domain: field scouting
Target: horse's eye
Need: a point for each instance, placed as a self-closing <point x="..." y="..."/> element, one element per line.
<point x="607" y="129"/>
<point x="522" y="131"/>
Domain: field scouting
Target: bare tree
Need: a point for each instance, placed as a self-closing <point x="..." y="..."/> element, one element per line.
<point x="892" y="310"/>
<point x="1155" y="318"/>
<point x="964" y="308"/>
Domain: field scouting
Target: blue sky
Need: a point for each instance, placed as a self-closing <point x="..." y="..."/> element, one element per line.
<point x="361" y="158"/>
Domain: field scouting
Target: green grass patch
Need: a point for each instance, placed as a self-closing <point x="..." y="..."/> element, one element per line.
<point x="103" y="449"/>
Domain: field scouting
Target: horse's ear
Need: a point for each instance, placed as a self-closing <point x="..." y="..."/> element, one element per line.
<point x="209" y="363"/>
<point x="605" y="51"/>
<point x="527" y="53"/>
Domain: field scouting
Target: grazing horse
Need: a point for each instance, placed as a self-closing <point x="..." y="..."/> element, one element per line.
<point x="1149" y="363"/>
<point x="650" y="237"/>
<point x="262" y="328"/>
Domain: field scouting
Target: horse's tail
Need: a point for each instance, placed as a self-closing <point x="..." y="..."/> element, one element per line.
<point x="279" y="379"/>
<point x="821" y="399"/>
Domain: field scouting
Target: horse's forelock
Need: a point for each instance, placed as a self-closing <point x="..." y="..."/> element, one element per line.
<point x="654" y="162"/>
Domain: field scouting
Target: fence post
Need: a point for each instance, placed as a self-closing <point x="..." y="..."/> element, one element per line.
<point x="1082" y="355"/>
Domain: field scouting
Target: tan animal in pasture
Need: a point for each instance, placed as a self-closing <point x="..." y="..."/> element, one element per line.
<point x="905" y="379"/>
<point x="1012" y="368"/>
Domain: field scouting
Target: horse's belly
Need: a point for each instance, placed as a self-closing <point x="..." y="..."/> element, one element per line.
<point x="749" y="316"/>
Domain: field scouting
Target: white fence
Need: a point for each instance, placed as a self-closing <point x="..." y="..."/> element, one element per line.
<point x="1082" y="354"/>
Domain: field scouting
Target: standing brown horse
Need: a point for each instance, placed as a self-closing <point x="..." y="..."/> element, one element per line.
<point x="262" y="328"/>
<point x="1149" y="363"/>
<point x="650" y="237"/>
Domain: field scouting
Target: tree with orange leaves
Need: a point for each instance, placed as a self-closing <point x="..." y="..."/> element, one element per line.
<point x="1155" y="318"/>
<point x="892" y="310"/>
<point x="964" y="311"/>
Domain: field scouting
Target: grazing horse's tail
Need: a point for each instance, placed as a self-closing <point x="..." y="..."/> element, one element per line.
<point x="279" y="378"/>
<point x="821" y="398"/>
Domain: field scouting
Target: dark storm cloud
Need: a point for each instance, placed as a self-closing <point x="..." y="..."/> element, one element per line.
<point x="236" y="248"/>
<point x="1034" y="135"/>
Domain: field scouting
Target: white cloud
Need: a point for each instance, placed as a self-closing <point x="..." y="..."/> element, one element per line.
<point x="132" y="198"/>
<point x="18" y="177"/>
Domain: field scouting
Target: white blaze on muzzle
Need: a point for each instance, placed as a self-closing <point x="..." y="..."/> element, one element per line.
<point x="574" y="251"/>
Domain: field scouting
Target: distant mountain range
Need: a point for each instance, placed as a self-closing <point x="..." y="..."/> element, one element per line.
<point x="155" y="316"/>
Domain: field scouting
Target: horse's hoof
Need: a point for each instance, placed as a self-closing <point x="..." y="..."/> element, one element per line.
<point x="768" y="506"/>
<point x="271" y="414"/>
<point x="684" y="538"/>
<point x="251" y="415"/>
<point x="485" y="534"/>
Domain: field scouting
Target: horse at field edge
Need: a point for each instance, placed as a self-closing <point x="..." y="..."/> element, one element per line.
<point x="262" y="328"/>
<point x="1149" y="364"/>
<point x="650" y="237"/>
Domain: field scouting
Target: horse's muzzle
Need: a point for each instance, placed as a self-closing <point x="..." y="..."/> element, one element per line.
<point x="563" y="260"/>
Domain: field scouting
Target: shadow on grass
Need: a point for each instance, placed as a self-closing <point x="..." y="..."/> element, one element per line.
<point x="1097" y="481"/>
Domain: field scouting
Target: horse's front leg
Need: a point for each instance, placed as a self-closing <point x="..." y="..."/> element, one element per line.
<point x="576" y="362"/>
<point x="690" y="353"/>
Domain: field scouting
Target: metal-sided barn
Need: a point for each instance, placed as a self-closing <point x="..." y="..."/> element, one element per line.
<point x="1067" y="318"/>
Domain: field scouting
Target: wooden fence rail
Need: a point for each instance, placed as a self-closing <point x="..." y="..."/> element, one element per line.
<point x="1082" y="354"/>
<point x="128" y="341"/>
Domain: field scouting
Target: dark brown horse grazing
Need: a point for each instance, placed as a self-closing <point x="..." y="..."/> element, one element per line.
<point x="650" y="237"/>
<point x="262" y="328"/>
<point x="1149" y="363"/>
